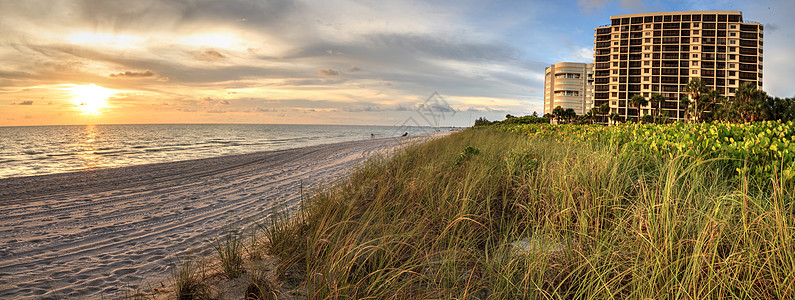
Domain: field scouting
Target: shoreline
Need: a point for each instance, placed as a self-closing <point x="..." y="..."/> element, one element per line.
<point x="98" y="232"/>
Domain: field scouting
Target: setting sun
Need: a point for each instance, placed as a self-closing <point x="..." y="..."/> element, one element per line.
<point x="91" y="98"/>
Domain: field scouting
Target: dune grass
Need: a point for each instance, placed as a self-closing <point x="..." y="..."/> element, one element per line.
<point x="488" y="214"/>
<point x="230" y="254"/>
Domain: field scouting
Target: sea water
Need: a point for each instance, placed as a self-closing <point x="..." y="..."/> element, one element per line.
<point x="38" y="150"/>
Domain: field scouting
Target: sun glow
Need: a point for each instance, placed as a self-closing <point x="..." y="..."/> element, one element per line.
<point x="103" y="39"/>
<point x="213" y="40"/>
<point x="90" y="99"/>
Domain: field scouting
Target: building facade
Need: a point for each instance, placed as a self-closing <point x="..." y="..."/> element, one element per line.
<point x="568" y="85"/>
<point x="661" y="52"/>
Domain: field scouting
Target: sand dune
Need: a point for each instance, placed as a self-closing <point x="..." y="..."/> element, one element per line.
<point x="95" y="233"/>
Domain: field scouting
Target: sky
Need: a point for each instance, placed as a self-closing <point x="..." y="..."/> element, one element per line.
<point x="437" y="63"/>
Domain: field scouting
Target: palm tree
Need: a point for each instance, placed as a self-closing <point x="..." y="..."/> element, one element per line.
<point x="569" y="114"/>
<point x="748" y="102"/>
<point x="637" y="101"/>
<point x="558" y="112"/>
<point x="604" y="109"/>
<point x="615" y="118"/>
<point x="695" y="87"/>
<point x="714" y="99"/>
<point x="656" y="99"/>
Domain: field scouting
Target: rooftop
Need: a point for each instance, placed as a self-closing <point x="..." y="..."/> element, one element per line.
<point x="698" y="12"/>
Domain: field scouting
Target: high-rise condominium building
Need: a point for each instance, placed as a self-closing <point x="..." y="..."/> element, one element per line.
<point x="661" y="52"/>
<point x="568" y="85"/>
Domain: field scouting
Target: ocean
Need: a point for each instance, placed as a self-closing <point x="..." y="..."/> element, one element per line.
<point x="39" y="150"/>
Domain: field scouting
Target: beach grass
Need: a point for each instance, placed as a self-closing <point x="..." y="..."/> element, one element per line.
<point x="488" y="214"/>
<point x="188" y="278"/>
<point x="229" y="250"/>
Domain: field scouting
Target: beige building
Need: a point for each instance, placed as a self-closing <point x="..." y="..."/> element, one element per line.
<point x="660" y="52"/>
<point x="568" y="85"/>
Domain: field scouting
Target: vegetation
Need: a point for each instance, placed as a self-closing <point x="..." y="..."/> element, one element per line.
<point x="542" y="211"/>
<point x="230" y="254"/>
<point x="188" y="279"/>
<point x="509" y="119"/>
<point x="765" y="150"/>
<point x="749" y="104"/>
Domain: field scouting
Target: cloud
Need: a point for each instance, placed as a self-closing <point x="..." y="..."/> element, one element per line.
<point x="328" y="72"/>
<point x="209" y="55"/>
<point x="363" y="109"/>
<point x="585" y="54"/>
<point x="26" y="102"/>
<point x="435" y="107"/>
<point x="133" y="74"/>
<point x="402" y="50"/>
<point x="594" y="6"/>
<point x="632" y="5"/>
<point x="264" y="109"/>
<point x="216" y="111"/>
<point x="591" y="6"/>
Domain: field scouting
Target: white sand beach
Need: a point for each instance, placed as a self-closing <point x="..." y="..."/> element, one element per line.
<point x="93" y="234"/>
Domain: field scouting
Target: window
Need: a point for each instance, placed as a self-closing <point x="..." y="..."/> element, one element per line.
<point x="731" y="66"/>
<point x="646" y="63"/>
<point x="615" y="64"/>
<point x="647" y="40"/>
<point x="732" y="34"/>
<point x="695" y="55"/>
<point x="614" y="94"/>
<point x="647" y="48"/>
<point x="646" y="79"/>
<point x="695" y="47"/>
<point x="695" y="25"/>
<point x="615" y="36"/>
<point x="647" y="55"/>
<point x="731" y="81"/>
<point x="732" y="73"/>
<point x="615" y="71"/>
<point x="614" y="87"/>
<point x="731" y="56"/>
<point x="648" y="33"/>
<point x="732" y="42"/>
<point x="648" y="26"/>
<point x="695" y="40"/>
<point x="615" y="79"/>
<point x="694" y="72"/>
<point x="694" y="63"/>
<point x="646" y="86"/>
<point x="732" y="49"/>
<point x="733" y="27"/>
<point x="646" y="70"/>
<point x="615" y="43"/>
<point x="695" y="31"/>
